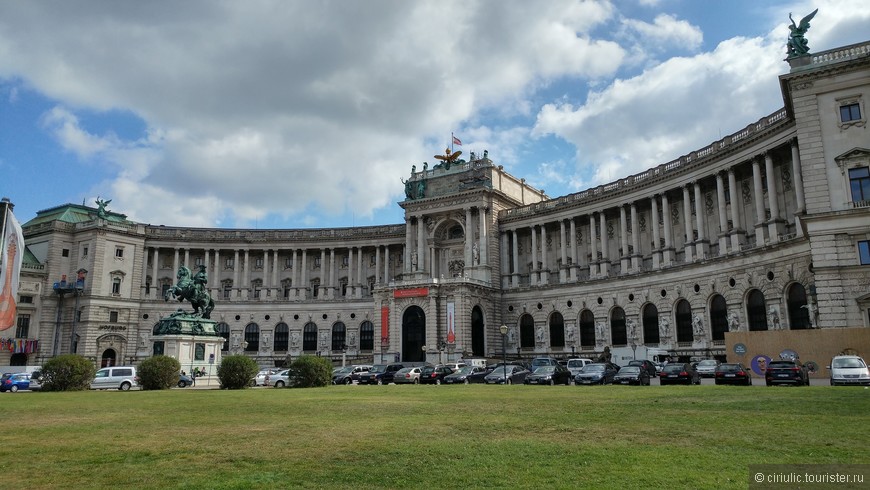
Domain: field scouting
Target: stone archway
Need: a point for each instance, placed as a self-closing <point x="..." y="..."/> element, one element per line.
<point x="478" y="335"/>
<point x="413" y="334"/>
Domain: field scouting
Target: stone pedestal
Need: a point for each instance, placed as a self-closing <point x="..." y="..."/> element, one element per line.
<point x="191" y="340"/>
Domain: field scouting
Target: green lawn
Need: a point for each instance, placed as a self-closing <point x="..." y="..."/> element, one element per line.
<point x="427" y="436"/>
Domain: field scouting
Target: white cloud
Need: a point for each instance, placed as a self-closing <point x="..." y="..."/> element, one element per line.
<point x="666" y="31"/>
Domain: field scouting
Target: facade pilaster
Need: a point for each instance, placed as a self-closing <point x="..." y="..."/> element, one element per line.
<point x="545" y="265"/>
<point x="668" y="252"/>
<point x="563" y="268"/>
<point x="775" y="226"/>
<point x="421" y="244"/>
<point x="484" y="242"/>
<point x="332" y="282"/>
<point x="236" y="267"/>
<point x="689" y="244"/>
<point x="593" y="264"/>
<point x="515" y="271"/>
<point x="533" y="272"/>
<point x="215" y="275"/>
<point x="350" y="282"/>
<point x="246" y="275"/>
<point x="505" y="264"/>
<point x="723" y="217"/>
<point x="635" y="240"/>
<point x="737" y="235"/>
<point x="605" y="251"/>
<point x="701" y="244"/>
<point x="575" y="259"/>
<point x="797" y="178"/>
<point x="758" y="198"/>
<point x="656" y="236"/>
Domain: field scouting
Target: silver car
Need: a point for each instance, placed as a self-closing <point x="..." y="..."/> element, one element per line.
<point x="408" y="375"/>
<point x="707" y="368"/>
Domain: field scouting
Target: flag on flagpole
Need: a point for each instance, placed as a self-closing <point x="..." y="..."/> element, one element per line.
<point x="13" y="257"/>
<point x="456" y="141"/>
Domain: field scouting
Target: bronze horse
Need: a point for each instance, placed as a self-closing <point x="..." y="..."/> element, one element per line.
<point x="193" y="290"/>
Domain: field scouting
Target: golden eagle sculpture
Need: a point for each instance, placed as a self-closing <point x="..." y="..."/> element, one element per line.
<point x="448" y="156"/>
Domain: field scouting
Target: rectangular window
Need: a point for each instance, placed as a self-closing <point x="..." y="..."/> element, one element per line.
<point x="116" y="286"/>
<point x="164" y="289"/>
<point x="316" y="262"/>
<point x="372" y="259"/>
<point x="230" y="263"/>
<point x="84" y="251"/>
<point x="64" y="252"/>
<point x="158" y="348"/>
<point x="864" y="252"/>
<point x="288" y="263"/>
<point x="23" y="328"/>
<point x="119" y="253"/>
<point x="859" y="183"/>
<point x="198" y="261"/>
<point x="258" y="263"/>
<point x="113" y="317"/>
<point x="26" y="300"/>
<point x="850" y="112"/>
<point x="344" y="261"/>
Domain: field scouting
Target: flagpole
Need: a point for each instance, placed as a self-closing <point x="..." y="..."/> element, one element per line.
<point x="451" y="142"/>
<point x="5" y="203"/>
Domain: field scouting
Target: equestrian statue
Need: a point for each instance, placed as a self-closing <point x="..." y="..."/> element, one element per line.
<point x="192" y="289"/>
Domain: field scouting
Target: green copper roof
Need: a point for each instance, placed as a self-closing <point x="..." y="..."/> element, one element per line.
<point x="29" y="258"/>
<point x="73" y="213"/>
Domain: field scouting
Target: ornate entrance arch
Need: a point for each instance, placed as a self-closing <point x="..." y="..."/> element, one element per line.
<point x="477" y="332"/>
<point x="413" y="334"/>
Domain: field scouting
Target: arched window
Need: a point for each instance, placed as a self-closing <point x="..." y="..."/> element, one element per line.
<point x="587" y="329"/>
<point x="718" y="317"/>
<point x="684" y="321"/>
<point x="339" y="333"/>
<point x="557" y="330"/>
<point x="309" y="336"/>
<point x="527" y="331"/>
<point x="252" y="337"/>
<point x="223" y="330"/>
<point x="282" y="337"/>
<point x="366" y="336"/>
<point x="617" y="327"/>
<point x="651" y="324"/>
<point x="757" y="311"/>
<point x="798" y="313"/>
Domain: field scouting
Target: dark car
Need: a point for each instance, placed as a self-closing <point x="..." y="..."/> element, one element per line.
<point x="434" y="375"/>
<point x="632" y="375"/>
<point x="380" y="374"/>
<point x="597" y="373"/>
<point x="509" y="374"/>
<point x="14" y="382"/>
<point x="786" y="372"/>
<point x="184" y="381"/>
<point x="679" y="373"/>
<point x="468" y="374"/>
<point x="549" y="375"/>
<point x="732" y="374"/>
<point x="646" y="365"/>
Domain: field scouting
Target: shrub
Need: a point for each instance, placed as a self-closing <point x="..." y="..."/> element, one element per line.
<point x="158" y="373"/>
<point x="310" y="372"/>
<point x="236" y="372"/>
<point x="68" y="372"/>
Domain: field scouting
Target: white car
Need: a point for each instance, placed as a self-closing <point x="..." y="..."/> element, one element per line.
<point x="849" y="370"/>
<point x="262" y="376"/>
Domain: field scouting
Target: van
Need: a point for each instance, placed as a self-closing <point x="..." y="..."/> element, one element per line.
<point x="849" y="370"/>
<point x="576" y="364"/>
<point x="115" y="378"/>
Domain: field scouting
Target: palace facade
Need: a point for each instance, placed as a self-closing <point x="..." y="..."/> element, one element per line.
<point x="765" y="229"/>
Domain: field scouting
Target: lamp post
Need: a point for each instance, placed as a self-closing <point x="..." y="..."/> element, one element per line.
<point x="424" y="352"/>
<point x="504" y="330"/>
<point x="441" y="346"/>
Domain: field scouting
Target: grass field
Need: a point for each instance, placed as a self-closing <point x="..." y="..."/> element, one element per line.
<point x="427" y="436"/>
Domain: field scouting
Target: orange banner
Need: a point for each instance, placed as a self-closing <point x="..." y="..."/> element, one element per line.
<point x="411" y="293"/>
<point x="385" y="323"/>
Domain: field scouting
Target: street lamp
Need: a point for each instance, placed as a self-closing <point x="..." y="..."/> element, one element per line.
<point x="504" y="330"/>
<point x="424" y="352"/>
<point x="441" y="346"/>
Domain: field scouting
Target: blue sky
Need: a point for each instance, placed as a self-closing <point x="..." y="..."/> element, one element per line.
<point x="291" y="114"/>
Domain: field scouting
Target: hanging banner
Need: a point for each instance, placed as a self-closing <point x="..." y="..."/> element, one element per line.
<point x="451" y="316"/>
<point x="411" y="293"/>
<point x="12" y="258"/>
<point x="385" y="324"/>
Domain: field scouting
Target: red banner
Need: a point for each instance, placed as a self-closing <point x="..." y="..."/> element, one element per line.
<point x="385" y="323"/>
<point x="411" y="293"/>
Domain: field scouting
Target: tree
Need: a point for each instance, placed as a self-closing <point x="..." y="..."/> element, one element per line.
<point x="236" y="372"/>
<point x="158" y="373"/>
<point x="68" y="372"/>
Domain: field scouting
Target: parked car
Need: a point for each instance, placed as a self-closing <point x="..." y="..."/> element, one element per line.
<point x="455" y="366"/>
<point x="345" y="375"/>
<point x="35" y="381"/>
<point x="632" y="375"/>
<point x="380" y="374"/>
<point x="786" y="372"/>
<point x="408" y="375"/>
<point x="679" y="373"/>
<point x="849" y="370"/>
<point x="467" y="375"/>
<point x="262" y="377"/>
<point x="14" y="381"/>
<point x="732" y="374"/>
<point x="648" y="366"/>
<point x="434" y="374"/>
<point x="707" y="368"/>
<point x="115" y="378"/>
<point x="508" y="374"/>
<point x="184" y="381"/>
<point x="280" y="379"/>
<point x="542" y="361"/>
<point x="549" y="375"/>
<point x="597" y="373"/>
<point x="575" y="365"/>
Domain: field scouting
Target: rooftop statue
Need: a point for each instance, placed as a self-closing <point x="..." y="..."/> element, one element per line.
<point x="448" y="157"/>
<point x="192" y="289"/>
<point x="797" y="43"/>
<point x="101" y="207"/>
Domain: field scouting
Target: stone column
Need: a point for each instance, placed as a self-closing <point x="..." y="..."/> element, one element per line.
<point x="605" y="251"/>
<point x="533" y="272"/>
<point x="145" y="295"/>
<point x="349" y="272"/>
<point x="333" y="285"/>
<point x="267" y="281"/>
<point x="359" y="272"/>
<point x="505" y="265"/>
<point x="723" y="218"/>
<point x="635" y="240"/>
<point x="656" y="235"/>
<point x="624" y="258"/>
<point x="215" y="276"/>
<point x="421" y="243"/>
<point x="206" y="263"/>
<point x="593" y="264"/>
<point x="774" y="225"/>
<point x="563" y="269"/>
<point x="545" y="267"/>
<point x="575" y="258"/>
<point x="387" y="264"/>
<point x="701" y="244"/>
<point x="484" y="248"/>
<point x="797" y="178"/>
<point x="175" y="264"/>
<point x="758" y="197"/>
<point x="303" y="274"/>
<point x="187" y="259"/>
<point x="515" y="272"/>
<point x="155" y="265"/>
<point x="236" y="267"/>
<point x="668" y="252"/>
<point x="246" y="277"/>
<point x="409" y="230"/>
<point x="324" y="278"/>
<point x="689" y="245"/>
<point x="737" y="233"/>
<point x="276" y="283"/>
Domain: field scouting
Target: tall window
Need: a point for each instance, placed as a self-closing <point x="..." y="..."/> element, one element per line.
<point x="252" y="337"/>
<point x="527" y="331"/>
<point x="366" y="336"/>
<point x="859" y="183"/>
<point x="651" y="324"/>
<point x="23" y="328"/>
<point x="864" y="252"/>
<point x="113" y="317"/>
<point x="116" y="285"/>
<point x="798" y="313"/>
<point x="309" y="337"/>
<point x="557" y="330"/>
<point x="223" y="330"/>
<point x="617" y="327"/>
<point x="756" y="311"/>
<point x="282" y="337"/>
<point x="718" y="317"/>
<point x="339" y="333"/>
<point x="684" y="321"/>
<point x="587" y="329"/>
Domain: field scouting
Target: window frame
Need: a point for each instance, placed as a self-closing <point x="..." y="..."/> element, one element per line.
<point x="863" y="247"/>
<point x="848" y="102"/>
